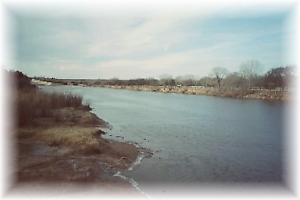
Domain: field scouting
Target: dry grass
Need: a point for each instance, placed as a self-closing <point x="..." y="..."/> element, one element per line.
<point x="59" y="120"/>
<point x="84" y="139"/>
<point x="57" y="140"/>
<point x="34" y="104"/>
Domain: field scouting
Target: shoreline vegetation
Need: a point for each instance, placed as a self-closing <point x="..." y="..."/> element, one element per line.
<point x="198" y="90"/>
<point x="58" y="140"/>
<point x="248" y="83"/>
<point x="253" y="93"/>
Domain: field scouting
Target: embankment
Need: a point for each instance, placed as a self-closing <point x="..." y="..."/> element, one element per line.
<point x="58" y="142"/>
<point x="73" y="152"/>
<point x="222" y="92"/>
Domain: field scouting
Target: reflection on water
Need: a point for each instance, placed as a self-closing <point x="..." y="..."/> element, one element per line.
<point x="194" y="138"/>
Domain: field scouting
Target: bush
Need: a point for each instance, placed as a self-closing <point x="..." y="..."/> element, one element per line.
<point x="36" y="104"/>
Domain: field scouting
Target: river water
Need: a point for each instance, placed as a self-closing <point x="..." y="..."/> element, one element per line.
<point x="195" y="139"/>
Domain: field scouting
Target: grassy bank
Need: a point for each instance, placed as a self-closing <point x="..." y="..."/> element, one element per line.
<point x="58" y="139"/>
<point x="224" y="91"/>
<point x="212" y="91"/>
<point x="34" y="104"/>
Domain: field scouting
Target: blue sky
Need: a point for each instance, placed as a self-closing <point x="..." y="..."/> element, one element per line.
<point x="132" y="43"/>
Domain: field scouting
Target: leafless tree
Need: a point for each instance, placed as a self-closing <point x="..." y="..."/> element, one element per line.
<point x="234" y="80"/>
<point x="251" y="69"/>
<point x="165" y="79"/>
<point x="186" y="80"/>
<point x="219" y="73"/>
<point x="206" y="82"/>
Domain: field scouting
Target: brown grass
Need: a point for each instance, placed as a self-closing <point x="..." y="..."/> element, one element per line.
<point x="84" y="139"/>
<point x="56" y="139"/>
<point x="37" y="104"/>
<point x="59" y="120"/>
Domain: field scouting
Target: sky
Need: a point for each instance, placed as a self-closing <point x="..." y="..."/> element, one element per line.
<point x="142" y="41"/>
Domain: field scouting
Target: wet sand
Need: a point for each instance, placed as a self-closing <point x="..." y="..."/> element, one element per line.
<point x="69" y="165"/>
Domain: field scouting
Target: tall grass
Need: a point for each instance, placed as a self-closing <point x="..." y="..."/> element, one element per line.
<point x="83" y="138"/>
<point x="36" y="104"/>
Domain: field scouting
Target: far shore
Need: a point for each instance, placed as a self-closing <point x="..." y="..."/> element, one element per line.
<point x="255" y="93"/>
<point x="210" y="91"/>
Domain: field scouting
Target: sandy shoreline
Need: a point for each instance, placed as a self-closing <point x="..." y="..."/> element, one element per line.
<point x="199" y="90"/>
<point x="196" y="90"/>
<point x="42" y="161"/>
<point x="58" y="148"/>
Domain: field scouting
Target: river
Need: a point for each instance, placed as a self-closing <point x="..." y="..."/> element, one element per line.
<point x="195" y="139"/>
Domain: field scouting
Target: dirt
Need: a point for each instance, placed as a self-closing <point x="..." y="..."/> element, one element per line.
<point x="260" y="94"/>
<point x="46" y="164"/>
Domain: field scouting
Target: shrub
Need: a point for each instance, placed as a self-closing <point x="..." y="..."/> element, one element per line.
<point x="35" y="104"/>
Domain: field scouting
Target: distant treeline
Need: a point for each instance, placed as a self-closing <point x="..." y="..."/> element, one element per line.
<point x="248" y="77"/>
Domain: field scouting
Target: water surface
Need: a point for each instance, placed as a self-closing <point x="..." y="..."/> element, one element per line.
<point x="195" y="139"/>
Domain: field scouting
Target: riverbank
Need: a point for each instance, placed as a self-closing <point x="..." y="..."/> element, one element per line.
<point x="211" y="91"/>
<point x="58" y="141"/>
<point x="73" y="152"/>
<point x="254" y="93"/>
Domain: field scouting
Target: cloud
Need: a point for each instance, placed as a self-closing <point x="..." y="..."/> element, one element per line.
<point x="129" y="45"/>
<point x="154" y="34"/>
<point x="198" y="61"/>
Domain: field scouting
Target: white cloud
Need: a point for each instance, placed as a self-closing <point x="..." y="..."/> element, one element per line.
<point x="134" y="44"/>
<point x="198" y="61"/>
<point x="154" y="34"/>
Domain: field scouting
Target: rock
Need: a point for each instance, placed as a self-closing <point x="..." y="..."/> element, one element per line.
<point x="99" y="133"/>
<point x="89" y="172"/>
<point x="123" y="158"/>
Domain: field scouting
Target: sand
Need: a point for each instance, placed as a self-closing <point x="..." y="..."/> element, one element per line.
<point x="71" y="156"/>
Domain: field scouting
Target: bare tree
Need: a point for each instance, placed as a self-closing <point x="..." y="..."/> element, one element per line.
<point x="187" y="80"/>
<point x="251" y="69"/>
<point x="165" y="79"/>
<point x="206" y="82"/>
<point x="219" y="73"/>
<point x="178" y="80"/>
<point x="234" y="80"/>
